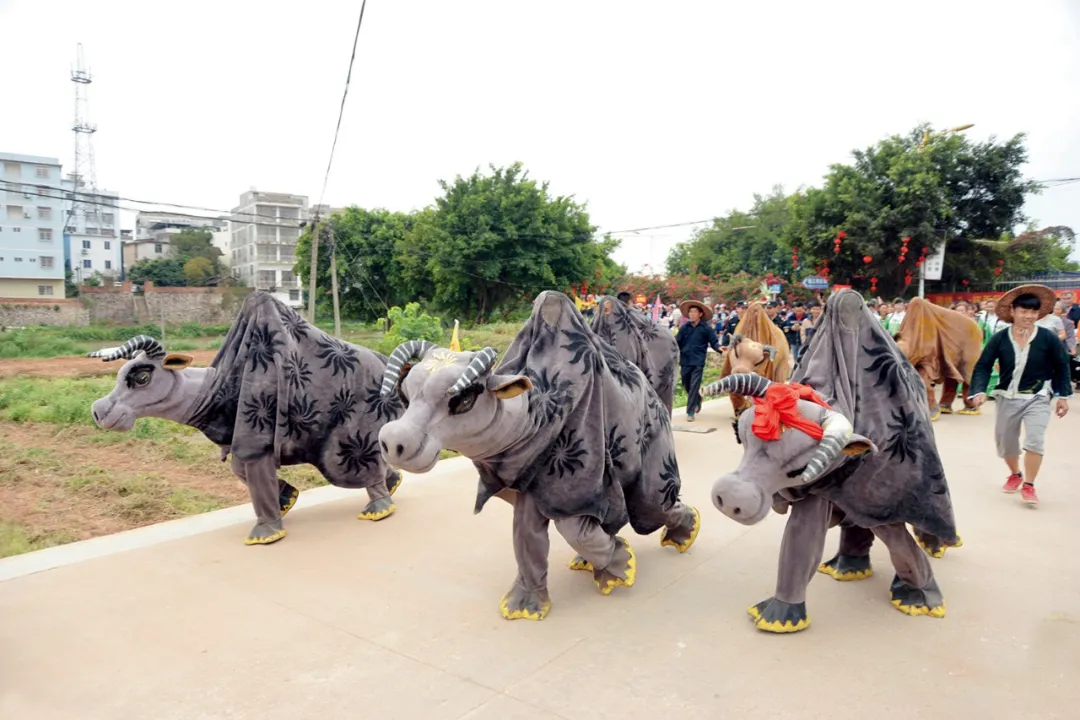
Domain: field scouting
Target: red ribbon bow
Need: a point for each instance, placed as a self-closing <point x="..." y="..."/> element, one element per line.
<point x="780" y="407"/>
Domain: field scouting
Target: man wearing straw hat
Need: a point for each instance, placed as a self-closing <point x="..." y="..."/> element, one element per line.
<point x="1033" y="367"/>
<point x="694" y="339"/>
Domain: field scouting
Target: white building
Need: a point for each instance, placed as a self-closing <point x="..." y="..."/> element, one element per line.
<point x="31" y="227"/>
<point x="154" y="230"/>
<point x="265" y="227"/>
<point x="92" y="233"/>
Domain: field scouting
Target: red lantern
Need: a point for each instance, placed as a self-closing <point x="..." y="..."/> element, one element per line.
<point x="964" y="283"/>
<point x="867" y="259"/>
<point x="841" y="235"/>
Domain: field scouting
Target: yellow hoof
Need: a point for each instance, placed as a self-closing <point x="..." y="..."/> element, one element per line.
<point x="935" y="416"/>
<point x="580" y="563"/>
<point x="777" y="626"/>
<point x="959" y="542"/>
<point x="613" y="582"/>
<point x="845" y="576"/>
<point x="265" y="540"/>
<point x="946" y="411"/>
<point x="293" y="496"/>
<point x="932" y="552"/>
<point x="378" y="514"/>
<point x="683" y="546"/>
<point x="937" y="612"/>
<point x="524" y="613"/>
<point x="969" y="411"/>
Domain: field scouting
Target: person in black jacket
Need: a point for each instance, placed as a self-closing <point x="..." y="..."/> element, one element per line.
<point x="1033" y="367"/>
<point x="694" y="338"/>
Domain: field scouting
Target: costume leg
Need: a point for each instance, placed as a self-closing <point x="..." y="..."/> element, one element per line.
<point x="800" y="555"/>
<point x="852" y="562"/>
<point x="528" y="599"/>
<point x="260" y="476"/>
<point x="610" y="558"/>
<point x="948" y="395"/>
<point x="914" y="590"/>
<point x="380" y="504"/>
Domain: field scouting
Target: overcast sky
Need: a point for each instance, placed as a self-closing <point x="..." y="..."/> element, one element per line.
<point x="651" y="113"/>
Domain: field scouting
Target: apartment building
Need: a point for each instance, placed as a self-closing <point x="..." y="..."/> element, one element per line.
<point x="31" y="227"/>
<point x="265" y="227"/>
<point x="92" y="234"/>
<point x="154" y="230"/>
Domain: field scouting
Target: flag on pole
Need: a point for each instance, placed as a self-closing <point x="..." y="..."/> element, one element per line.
<point x="455" y="344"/>
<point x="656" y="309"/>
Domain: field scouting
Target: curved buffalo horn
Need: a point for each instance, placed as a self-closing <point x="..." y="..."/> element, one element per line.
<point x="770" y="350"/>
<point x="837" y="434"/>
<point x="479" y="365"/>
<point x="739" y="384"/>
<point x="402" y="354"/>
<point x="149" y="345"/>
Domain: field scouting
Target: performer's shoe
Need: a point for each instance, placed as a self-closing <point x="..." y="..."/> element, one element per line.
<point x="1013" y="483"/>
<point x="1027" y="494"/>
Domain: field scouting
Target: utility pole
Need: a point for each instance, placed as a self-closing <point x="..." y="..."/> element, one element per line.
<point x="333" y="281"/>
<point x="314" y="268"/>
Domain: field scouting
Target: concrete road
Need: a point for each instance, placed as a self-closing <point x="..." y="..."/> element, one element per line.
<point x="399" y="619"/>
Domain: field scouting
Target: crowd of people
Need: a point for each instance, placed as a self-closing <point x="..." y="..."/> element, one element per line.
<point x="1023" y="370"/>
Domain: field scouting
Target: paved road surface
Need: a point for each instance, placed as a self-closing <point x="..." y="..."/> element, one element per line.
<point x="348" y="619"/>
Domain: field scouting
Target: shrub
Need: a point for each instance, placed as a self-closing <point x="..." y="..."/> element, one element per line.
<point x="409" y="324"/>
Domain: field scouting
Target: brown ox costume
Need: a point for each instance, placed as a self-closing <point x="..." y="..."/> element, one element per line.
<point x="279" y="392"/>
<point x="756" y="325"/>
<point x="943" y="346"/>
<point x="848" y="441"/>
<point x="565" y="429"/>
<point x="652" y="349"/>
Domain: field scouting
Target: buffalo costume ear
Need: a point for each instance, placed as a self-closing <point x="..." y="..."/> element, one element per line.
<point x="858" y="445"/>
<point x="400" y="361"/>
<point x="176" y="361"/>
<point x="508" y="386"/>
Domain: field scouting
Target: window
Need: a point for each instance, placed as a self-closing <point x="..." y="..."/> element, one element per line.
<point x="108" y="264"/>
<point x="12" y="170"/>
<point x="33" y="260"/>
<point x="44" y="213"/>
<point x="15" y="212"/>
<point x="108" y="245"/>
<point x="43" y="172"/>
<point x="44" y="234"/>
<point x="294" y="296"/>
<point x="44" y="290"/>
<point x="86" y="264"/>
<point x="86" y="244"/>
<point x="16" y="229"/>
<point x="107" y="219"/>
<point x="91" y="231"/>
<point x="287" y="278"/>
<point x="69" y="229"/>
<point x="18" y="259"/>
<point x="46" y="262"/>
<point x="157" y="247"/>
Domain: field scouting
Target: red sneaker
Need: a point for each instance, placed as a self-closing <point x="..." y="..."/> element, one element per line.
<point x="1027" y="494"/>
<point x="1013" y="483"/>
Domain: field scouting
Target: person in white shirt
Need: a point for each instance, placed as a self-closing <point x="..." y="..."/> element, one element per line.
<point x="1054" y="322"/>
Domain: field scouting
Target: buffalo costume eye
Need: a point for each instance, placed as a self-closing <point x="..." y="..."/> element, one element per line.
<point x="463" y="402"/>
<point x="140" y="377"/>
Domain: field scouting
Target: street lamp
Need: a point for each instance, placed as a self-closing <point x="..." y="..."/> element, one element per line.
<point x="927" y="136"/>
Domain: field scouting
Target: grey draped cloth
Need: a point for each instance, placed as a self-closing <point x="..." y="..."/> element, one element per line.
<point x="281" y="386"/>
<point x="857" y="367"/>
<point x="599" y="441"/>
<point x="645" y="344"/>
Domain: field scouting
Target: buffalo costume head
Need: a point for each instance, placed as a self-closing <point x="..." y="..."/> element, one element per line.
<point x="149" y="384"/>
<point x="451" y="400"/>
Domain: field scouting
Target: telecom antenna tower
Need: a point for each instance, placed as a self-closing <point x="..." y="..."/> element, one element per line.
<point x="85" y="176"/>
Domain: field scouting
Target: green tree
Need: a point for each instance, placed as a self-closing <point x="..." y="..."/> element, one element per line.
<point x="948" y="190"/>
<point x="495" y="241"/>
<point x="189" y="244"/>
<point x="1033" y="252"/>
<point x="369" y="245"/>
<point x="163" y="272"/>
<point x="739" y="242"/>
<point x="199" y="271"/>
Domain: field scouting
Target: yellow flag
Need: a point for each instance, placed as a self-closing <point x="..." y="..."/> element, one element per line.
<point x="455" y="344"/>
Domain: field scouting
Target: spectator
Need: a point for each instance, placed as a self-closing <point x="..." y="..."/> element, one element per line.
<point x="625" y="298"/>
<point x="896" y="318"/>
<point x="792" y="325"/>
<point x="1054" y="322"/>
<point x="694" y="339"/>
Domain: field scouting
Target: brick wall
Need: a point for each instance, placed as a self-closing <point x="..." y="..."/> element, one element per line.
<point x="206" y="306"/>
<point x="22" y="312"/>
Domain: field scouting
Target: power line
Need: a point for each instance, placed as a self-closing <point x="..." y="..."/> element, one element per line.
<point x="341" y="111"/>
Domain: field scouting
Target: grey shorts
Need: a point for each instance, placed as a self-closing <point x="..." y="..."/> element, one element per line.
<point x="1032" y="413"/>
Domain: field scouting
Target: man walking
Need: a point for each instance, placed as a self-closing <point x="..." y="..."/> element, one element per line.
<point x="695" y="338"/>
<point x="1033" y="366"/>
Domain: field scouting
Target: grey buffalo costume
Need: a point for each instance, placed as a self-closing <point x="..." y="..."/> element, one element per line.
<point x="875" y="467"/>
<point x="279" y="392"/>
<point x="565" y="429"/>
<point x="642" y="342"/>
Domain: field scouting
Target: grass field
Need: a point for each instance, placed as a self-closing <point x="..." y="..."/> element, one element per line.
<point x="63" y="479"/>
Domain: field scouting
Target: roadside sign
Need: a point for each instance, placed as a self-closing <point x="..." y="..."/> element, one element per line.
<point x="815" y="282"/>
<point x="776" y="288"/>
<point x="935" y="263"/>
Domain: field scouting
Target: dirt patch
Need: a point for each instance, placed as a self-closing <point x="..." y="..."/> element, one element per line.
<point x="77" y="367"/>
